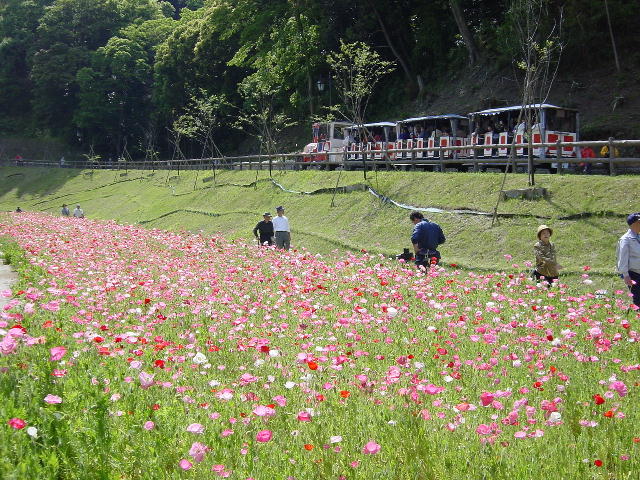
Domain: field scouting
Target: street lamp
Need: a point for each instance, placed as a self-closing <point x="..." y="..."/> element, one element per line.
<point x="320" y="85"/>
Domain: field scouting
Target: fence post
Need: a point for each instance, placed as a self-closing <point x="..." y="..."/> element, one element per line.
<point x="558" y="156"/>
<point x="413" y="157"/>
<point x="475" y="159"/>
<point x="612" y="167"/>
<point x="441" y="155"/>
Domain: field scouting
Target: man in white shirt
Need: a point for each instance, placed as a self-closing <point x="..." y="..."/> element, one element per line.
<point x="282" y="230"/>
<point x="78" y="213"/>
<point x="629" y="257"/>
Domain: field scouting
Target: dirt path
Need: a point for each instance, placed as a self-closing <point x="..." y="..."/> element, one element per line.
<point x="7" y="278"/>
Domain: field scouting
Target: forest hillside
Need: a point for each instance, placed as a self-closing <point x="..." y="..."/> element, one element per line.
<point x="145" y="78"/>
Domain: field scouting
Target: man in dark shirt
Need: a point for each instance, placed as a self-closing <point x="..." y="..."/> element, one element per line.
<point x="265" y="228"/>
<point x="425" y="238"/>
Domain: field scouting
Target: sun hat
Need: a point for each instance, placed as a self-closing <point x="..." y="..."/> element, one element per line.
<point x="633" y="218"/>
<point x="544" y="227"/>
<point x="278" y="208"/>
<point x="266" y="214"/>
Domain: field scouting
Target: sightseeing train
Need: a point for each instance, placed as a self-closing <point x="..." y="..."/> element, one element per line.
<point x="496" y="129"/>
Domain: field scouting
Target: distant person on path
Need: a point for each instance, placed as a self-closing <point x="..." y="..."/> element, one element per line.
<point x="587" y="152"/>
<point x="426" y="238"/>
<point x="282" y="230"/>
<point x="604" y="151"/>
<point x="547" y="268"/>
<point x="265" y="228"/>
<point x="65" y="210"/>
<point x="78" y="212"/>
<point x="629" y="257"/>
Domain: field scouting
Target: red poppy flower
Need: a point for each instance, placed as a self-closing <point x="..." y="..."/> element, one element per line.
<point x="308" y="446"/>
<point x="598" y="463"/>
<point x="264" y="348"/>
<point x="159" y="363"/>
<point x="345" y="393"/>
<point x="98" y="339"/>
<point x="147" y="301"/>
<point x="608" y="413"/>
<point x="312" y="365"/>
<point x="155" y="406"/>
<point x="598" y="399"/>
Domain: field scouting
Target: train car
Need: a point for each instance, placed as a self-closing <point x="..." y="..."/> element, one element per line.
<point x="376" y="137"/>
<point x="434" y="131"/>
<point x="498" y="127"/>
<point x="328" y="141"/>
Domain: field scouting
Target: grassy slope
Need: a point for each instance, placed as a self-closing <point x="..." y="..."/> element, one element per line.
<point x="357" y="220"/>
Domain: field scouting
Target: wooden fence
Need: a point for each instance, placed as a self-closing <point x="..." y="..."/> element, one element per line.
<point x="387" y="158"/>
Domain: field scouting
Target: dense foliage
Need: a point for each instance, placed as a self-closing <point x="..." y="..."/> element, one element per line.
<point x="116" y="74"/>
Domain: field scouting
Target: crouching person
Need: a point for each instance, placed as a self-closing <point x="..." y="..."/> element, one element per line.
<point x="426" y="238"/>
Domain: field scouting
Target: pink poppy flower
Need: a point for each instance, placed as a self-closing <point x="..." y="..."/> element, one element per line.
<point x="185" y="464"/>
<point x="198" y="451"/>
<point x="195" y="428"/>
<point x="56" y="353"/>
<point x="17" y="423"/>
<point x="264" y="436"/>
<point x="486" y="398"/>
<point x="263" y="411"/>
<point x="304" y="416"/>
<point x="51" y="399"/>
<point x="146" y="380"/>
<point x="371" y="448"/>
<point x="619" y="387"/>
<point x="149" y="425"/>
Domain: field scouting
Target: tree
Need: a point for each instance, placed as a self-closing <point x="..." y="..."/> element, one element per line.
<point x="69" y="32"/>
<point x="18" y="22"/>
<point x="259" y="115"/>
<point x="202" y="116"/>
<point x="115" y="93"/>
<point x="357" y="69"/>
<point x="465" y="32"/>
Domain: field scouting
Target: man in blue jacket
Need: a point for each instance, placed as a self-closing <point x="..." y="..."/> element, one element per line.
<point x="426" y="238"/>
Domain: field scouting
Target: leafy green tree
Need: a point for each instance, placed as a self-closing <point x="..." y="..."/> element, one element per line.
<point x="18" y="22"/>
<point x="67" y="35"/>
<point x="115" y="105"/>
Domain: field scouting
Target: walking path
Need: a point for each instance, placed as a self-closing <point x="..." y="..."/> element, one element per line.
<point x="7" y="278"/>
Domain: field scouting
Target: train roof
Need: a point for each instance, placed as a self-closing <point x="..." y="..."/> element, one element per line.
<point x="433" y="117"/>
<point x="375" y="124"/>
<point x="496" y="111"/>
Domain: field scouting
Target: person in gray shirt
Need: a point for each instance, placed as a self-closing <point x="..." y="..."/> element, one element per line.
<point x="629" y="257"/>
<point x="65" y="210"/>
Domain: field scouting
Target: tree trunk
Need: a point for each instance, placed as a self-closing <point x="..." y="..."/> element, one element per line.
<point x="417" y="81"/>
<point x="613" y="41"/>
<point x="472" y="49"/>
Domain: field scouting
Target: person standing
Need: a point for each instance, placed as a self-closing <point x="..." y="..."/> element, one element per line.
<point x="265" y="228"/>
<point x="426" y="238"/>
<point x="282" y="230"/>
<point x="629" y="257"/>
<point x="65" y="210"/>
<point x="78" y="212"/>
<point x="547" y="268"/>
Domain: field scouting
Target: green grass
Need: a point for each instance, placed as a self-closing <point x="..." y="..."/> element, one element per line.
<point x="356" y="220"/>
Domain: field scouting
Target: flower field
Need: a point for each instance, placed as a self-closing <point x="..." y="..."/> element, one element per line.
<point x="128" y="353"/>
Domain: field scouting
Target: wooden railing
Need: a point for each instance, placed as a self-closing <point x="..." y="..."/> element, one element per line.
<point x="443" y="157"/>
